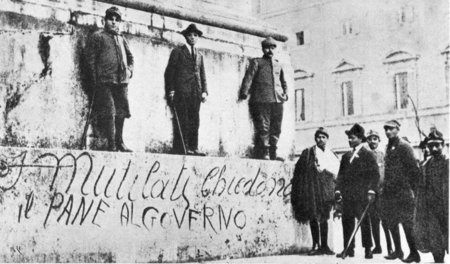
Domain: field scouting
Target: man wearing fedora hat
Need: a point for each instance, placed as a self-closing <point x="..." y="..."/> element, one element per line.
<point x="185" y="85"/>
<point x="356" y="186"/>
<point x="401" y="176"/>
<point x="264" y="80"/>
<point x="373" y="140"/>
<point x="110" y="64"/>
<point x="431" y="217"/>
<point x="312" y="195"/>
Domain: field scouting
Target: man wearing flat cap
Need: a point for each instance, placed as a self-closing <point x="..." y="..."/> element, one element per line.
<point x="401" y="177"/>
<point x="373" y="140"/>
<point x="431" y="217"/>
<point x="312" y="195"/>
<point x="110" y="64"/>
<point x="185" y="85"/>
<point x="356" y="187"/>
<point x="265" y="82"/>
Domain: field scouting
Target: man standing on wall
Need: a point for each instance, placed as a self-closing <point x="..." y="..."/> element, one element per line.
<point x="264" y="80"/>
<point x="313" y="186"/>
<point x="431" y="217"/>
<point x="373" y="139"/>
<point x="110" y="65"/>
<point x="356" y="187"/>
<point x="185" y="84"/>
<point x="399" y="187"/>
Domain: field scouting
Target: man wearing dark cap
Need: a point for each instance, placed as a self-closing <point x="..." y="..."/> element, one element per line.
<point x="401" y="176"/>
<point x="373" y="140"/>
<point x="110" y="65"/>
<point x="356" y="187"/>
<point x="312" y="195"/>
<point x="185" y="84"/>
<point x="264" y="80"/>
<point x="431" y="217"/>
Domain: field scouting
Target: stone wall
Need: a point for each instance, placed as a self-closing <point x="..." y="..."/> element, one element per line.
<point x="44" y="102"/>
<point x="70" y="205"/>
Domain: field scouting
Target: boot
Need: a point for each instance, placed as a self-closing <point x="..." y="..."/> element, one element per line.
<point x="265" y="154"/>
<point x="273" y="154"/>
<point x="119" y="140"/>
<point x="108" y="132"/>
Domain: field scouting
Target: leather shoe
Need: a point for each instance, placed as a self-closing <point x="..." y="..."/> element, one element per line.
<point x="190" y="152"/>
<point x="377" y="250"/>
<point x="349" y="253"/>
<point x="368" y="254"/>
<point x="198" y="153"/>
<point x="314" y="252"/>
<point x="123" y="148"/>
<point x="413" y="257"/>
<point x="396" y="254"/>
<point x="326" y="251"/>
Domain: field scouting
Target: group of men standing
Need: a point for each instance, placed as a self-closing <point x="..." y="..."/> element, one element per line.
<point x="110" y="64"/>
<point x="372" y="187"/>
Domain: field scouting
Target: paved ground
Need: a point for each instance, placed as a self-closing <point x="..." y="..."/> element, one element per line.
<point x="359" y="258"/>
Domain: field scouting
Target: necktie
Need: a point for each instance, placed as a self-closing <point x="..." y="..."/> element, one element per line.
<point x="192" y="52"/>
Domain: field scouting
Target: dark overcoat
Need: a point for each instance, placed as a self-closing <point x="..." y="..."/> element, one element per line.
<point x="312" y="191"/>
<point x="356" y="178"/>
<point x="431" y="216"/>
<point x="400" y="180"/>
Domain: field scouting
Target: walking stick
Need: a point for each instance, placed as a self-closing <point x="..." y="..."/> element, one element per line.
<point x="344" y="254"/>
<point x="88" y="120"/>
<point x="179" y="128"/>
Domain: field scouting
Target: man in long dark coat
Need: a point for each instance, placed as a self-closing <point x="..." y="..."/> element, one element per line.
<point x="356" y="186"/>
<point x="431" y="217"/>
<point x="110" y="64"/>
<point x="312" y="193"/>
<point x="185" y="84"/>
<point x="397" y="198"/>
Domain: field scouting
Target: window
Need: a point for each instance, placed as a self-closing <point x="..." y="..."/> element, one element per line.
<point x="300" y="38"/>
<point x="401" y="90"/>
<point x="347" y="98"/>
<point x="300" y="105"/>
<point x="347" y="28"/>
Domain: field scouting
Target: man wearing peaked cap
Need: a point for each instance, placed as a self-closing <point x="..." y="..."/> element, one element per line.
<point x="312" y="195"/>
<point x="373" y="140"/>
<point x="431" y="218"/>
<point x="356" y="186"/>
<point x="401" y="176"/>
<point x="110" y="65"/>
<point x="265" y="82"/>
<point x="392" y="123"/>
<point x="186" y="89"/>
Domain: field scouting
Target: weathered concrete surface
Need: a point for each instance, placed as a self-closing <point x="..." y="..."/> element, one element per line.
<point x="44" y="96"/>
<point x="62" y="205"/>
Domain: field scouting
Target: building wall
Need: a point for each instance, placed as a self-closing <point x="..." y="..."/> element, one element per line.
<point x="44" y="93"/>
<point x="77" y="206"/>
<point x="367" y="43"/>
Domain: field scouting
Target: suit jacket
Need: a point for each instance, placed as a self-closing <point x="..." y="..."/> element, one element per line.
<point x="355" y="179"/>
<point x="104" y="61"/>
<point x="184" y="74"/>
<point x="265" y="82"/>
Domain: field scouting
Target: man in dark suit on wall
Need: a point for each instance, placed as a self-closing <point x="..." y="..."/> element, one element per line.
<point x="401" y="176"/>
<point x="356" y="186"/>
<point x="264" y="80"/>
<point x="185" y="84"/>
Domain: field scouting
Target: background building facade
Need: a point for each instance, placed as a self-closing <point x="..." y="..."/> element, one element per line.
<point x="366" y="62"/>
